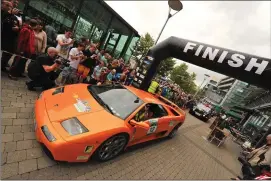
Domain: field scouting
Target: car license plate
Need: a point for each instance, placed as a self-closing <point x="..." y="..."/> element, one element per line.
<point x="198" y="114"/>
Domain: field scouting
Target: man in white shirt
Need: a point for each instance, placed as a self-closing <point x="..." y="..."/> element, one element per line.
<point x="64" y="43"/>
<point x="76" y="56"/>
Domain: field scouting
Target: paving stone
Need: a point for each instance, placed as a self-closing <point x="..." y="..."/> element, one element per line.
<point x="29" y="136"/>
<point x="8" y="99"/>
<point x="17" y="104"/>
<point x="36" y="144"/>
<point x="16" y="156"/>
<point x="10" y="146"/>
<point x="3" y="129"/>
<point x="27" y="166"/>
<point x="16" y="177"/>
<point x="7" y="137"/>
<point x="29" y="105"/>
<point x="8" y="115"/>
<point x="3" y="147"/>
<point x="18" y="136"/>
<point x="5" y="103"/>
<point x="20" y="121"/>
<point x="34" y="153"/>
<point x="23" y="145"/>
<point x="6" y="122"/>
<point x="26" y="110"/>
<point x="28" y="128"/>
<point x="11" y="110"/>
<point x="7" y="91"/>
<point x="9" y="170"/>
<point x="44" y="162"/>
<point x="13" y="129"/>
<point x="24" y="115"/>
<point x="4" y="158"/>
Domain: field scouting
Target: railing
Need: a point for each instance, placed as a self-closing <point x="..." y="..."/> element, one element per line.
<point x="265" y="100"/>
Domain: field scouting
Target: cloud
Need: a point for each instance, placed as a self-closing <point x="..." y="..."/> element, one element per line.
<point x="239" y="25"/>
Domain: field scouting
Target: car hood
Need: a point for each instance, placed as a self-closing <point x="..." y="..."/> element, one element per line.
<point x="203" y="108"/>
<point x="69" y="101"/>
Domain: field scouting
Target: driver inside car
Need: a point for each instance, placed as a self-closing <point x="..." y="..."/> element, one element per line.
<point x="144" y="114"/>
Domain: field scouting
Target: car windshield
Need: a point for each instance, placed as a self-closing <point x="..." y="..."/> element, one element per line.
<point x="116" y="99"/>
<point x="203" y="107"/>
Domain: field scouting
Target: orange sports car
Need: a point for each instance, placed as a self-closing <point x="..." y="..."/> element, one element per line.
<point x="77" y="122"/>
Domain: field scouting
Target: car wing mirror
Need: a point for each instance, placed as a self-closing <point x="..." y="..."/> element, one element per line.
<point x="140" y="124"/>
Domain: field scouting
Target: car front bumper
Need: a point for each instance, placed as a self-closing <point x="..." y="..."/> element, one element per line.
<point x="59" y="150"/>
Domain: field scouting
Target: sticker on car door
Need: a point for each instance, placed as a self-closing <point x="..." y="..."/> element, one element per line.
<point x="153" y="126"/>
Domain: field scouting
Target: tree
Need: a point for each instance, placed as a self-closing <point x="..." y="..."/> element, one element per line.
<point x="183" y="78"/>
<point x="142" y="47"/>
<point x="165" y="67"/>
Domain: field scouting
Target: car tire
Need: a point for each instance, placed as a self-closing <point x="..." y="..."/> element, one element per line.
<point x="191" y="112"/>
<point x="174" y="131"/>
<point x="111" y="143"/>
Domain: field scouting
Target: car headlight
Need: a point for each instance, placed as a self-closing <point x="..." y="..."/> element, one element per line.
<point x="48" y="134"/>
<point x="73" y="126"/>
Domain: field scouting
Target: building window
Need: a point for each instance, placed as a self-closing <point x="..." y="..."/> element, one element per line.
<point x="97" y="18"/>
<point x="130" y="49"/>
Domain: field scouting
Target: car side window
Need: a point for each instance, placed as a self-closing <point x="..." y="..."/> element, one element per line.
<point x="150" y="111"/>
<point x="159" y="111"/>
<point x="144" y="114"/>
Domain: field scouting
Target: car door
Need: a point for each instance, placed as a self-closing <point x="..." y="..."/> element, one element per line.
<point x="154" y="121"/>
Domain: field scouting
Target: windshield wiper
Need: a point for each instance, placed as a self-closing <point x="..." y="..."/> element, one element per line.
<point x="100" y="101"/>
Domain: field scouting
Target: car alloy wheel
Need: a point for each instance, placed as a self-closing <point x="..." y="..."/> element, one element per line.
<point x="112" y="147"/>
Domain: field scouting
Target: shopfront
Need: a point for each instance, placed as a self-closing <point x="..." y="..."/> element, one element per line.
<point x="91" y="19"/>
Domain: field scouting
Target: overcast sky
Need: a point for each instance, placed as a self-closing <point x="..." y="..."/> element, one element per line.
<point x="239" y="25"/>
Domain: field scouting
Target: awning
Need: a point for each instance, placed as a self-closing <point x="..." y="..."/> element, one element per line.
<point x="243" y="109"/>
<point x="234" y="114"/>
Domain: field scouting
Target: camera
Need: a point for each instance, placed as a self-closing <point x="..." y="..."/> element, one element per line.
<point x="61" y="61"/>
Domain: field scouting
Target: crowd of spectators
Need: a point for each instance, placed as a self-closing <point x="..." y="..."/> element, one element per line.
<point x="28" y="38"/>
<point x="174" y="93"/>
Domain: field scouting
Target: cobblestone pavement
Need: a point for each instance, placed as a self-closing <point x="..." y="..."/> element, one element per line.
<point x="187" y="156"/>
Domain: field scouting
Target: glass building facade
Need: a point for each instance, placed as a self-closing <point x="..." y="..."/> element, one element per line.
<point x="91" y="19"/>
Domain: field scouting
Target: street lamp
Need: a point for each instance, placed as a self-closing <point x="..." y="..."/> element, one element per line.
<point x="172" y="4"/>
<point x="206" y="76"/>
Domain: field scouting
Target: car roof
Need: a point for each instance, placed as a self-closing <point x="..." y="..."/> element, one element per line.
<point x="144" y="96"/>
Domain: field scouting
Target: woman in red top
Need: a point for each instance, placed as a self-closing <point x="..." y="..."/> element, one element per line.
<point x="25" y="48"/>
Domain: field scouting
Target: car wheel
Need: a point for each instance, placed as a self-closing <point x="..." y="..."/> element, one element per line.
<point x="174" y="131"/>
<point x="111" y="148"/>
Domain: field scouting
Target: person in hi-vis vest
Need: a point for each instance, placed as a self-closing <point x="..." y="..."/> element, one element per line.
<point x="153" y="87"/>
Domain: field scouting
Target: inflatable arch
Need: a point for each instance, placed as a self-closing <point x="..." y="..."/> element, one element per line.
<point x="245" y="67"/>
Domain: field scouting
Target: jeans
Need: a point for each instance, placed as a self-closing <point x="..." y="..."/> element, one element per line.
<point x="69" y="74"/>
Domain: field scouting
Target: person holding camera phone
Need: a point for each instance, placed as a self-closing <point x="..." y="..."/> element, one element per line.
<point x="41" y="71"/>
<point x="76" y="57"/>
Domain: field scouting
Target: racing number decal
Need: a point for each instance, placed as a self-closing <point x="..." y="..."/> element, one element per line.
<point x="153" y="126"/>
